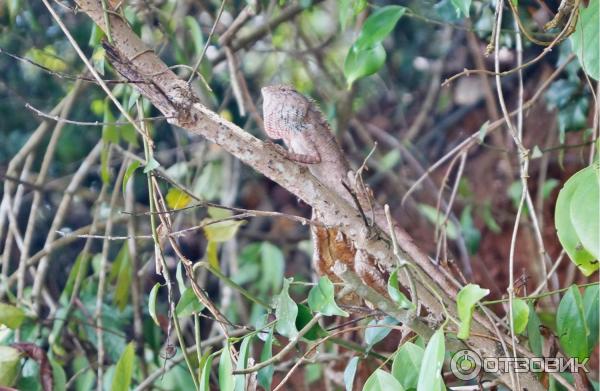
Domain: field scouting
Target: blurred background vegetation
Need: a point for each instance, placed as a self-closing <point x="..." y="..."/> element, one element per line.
<point x="389" y="99"/>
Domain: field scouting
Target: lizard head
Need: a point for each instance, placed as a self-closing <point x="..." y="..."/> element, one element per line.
<point x="284" y="111"/>
<point x="277" y="91"/>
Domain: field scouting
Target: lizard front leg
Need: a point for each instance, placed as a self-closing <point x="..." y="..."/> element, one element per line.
<point x="301" y="149"/>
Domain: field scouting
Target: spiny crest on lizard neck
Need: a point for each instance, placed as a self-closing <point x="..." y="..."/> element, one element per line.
<point x="287" y="111"/>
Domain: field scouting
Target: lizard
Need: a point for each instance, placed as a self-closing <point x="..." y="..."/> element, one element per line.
<point x="298" y="121"/>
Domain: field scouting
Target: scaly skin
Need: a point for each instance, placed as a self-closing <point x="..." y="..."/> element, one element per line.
<point x="297" y="120"/>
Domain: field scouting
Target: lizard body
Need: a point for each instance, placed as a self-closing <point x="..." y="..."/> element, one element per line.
<point x="297" y="120"/>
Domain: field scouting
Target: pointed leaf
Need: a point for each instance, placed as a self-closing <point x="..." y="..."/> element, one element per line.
<point x="129" y="172"/>
<point x="378" y="26"/>
<point x="393" y="288"/>
<point x="591" y="308"/>
<point x="430" y="375"/>
<point x="567" y="234"/>
<point x="466" y="299"/>
<point x="381" y="380"/>
<point x="586" y="39"/>
<point x="571" y="326"/>
<point x="226" y="382"/>
<point x="534" y="336"/>
<point x="360" y="63"/>
<point x="520" y="311"/>
<point x="350" y="373"/>
<point x="177" y="199"/>
<point x="407" y="364"/>
<point x="188" y="304"/>
<point x="321" y="298"/>
<point x="152" y="303"/>
<point x="11" y="316"/>
<point x="124" y="369"/>
<point x="286" y="311"/>
<point x="265" y="375"/>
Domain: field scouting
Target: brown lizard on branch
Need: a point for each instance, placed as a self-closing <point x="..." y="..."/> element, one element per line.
<point x="297" y="120"/>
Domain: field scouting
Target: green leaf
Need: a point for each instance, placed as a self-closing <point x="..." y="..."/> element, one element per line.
<point x="10" y="365"/>
<point x="430" y="375"/>
<point x="221" y="231"/>
<point x="211" y="254"/>
<point x="362" y="63"/>
<point x="407" y="363"/>
<point x="470" y="232"/>
<point x="129" y="134"/>
<point x="378" y="26"/>
<point x="265" y="375"/>
<point x="378" y="331"/>
<point x="14" y="7"/>
<point x="548" y="186"/>
<point x="152" y="303"/>
<point x="534" y="336"/>
<point x="561" y="93"/>
<point x="389" y="160"/>
<point x="344" y="12"/>
<point x="218" y="213"/>
<point x="286" y="311"/>
<point x="124" y="369"/>
<point x="81" y="261"/>
<point x="86" y="379"/>
<point x="488" y="218"/>
<point x="586" y="39"/>
<point x="466" y="299"/>
<point x="350" y="373"/>
<point x="240" y="380"/>
<point x="536" y="152"/>
<point x="585" y="210"/>
<point x="177" y="199"/>
<point x="11" y="316"/>
<point x="520" y="311"/>
<point x="129" y="172"/>
<point x="179" y="277"/>
<point x="95" y="36"/>
<point x="152" y="164"/>
<point x="121" y="271"/>
<point x="313" y="372"/>
<point x="567" y="235"/>
<point x="462" y="7"/>
<point x="196" y="33"/>
<point x="321" y="298"/>
<point x="381" y="380"/>
<point x="436" y="218"/>
<point x="124" y="276"/>
<point x="104" y="169"/>
<point x="272" y="267"/>
<point x="188" y="304"/>
<point x="393" y="288"/>
<point x="205" y="367"/>
<point x="226" y="381"/>
<point x="59" y="378"/>
<point x="591" y="308"/>
<point x="359" y="6"/>
<point x="483" y="130"/>
<point x="305" y="316"/>
<point x="110" y="133"/>
<point x="571" y="326"/>
<point x="98" y="59"/>
<point x="573" y="117"/>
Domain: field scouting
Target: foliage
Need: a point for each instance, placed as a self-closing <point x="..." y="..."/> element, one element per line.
<point x="120" y="275"/>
